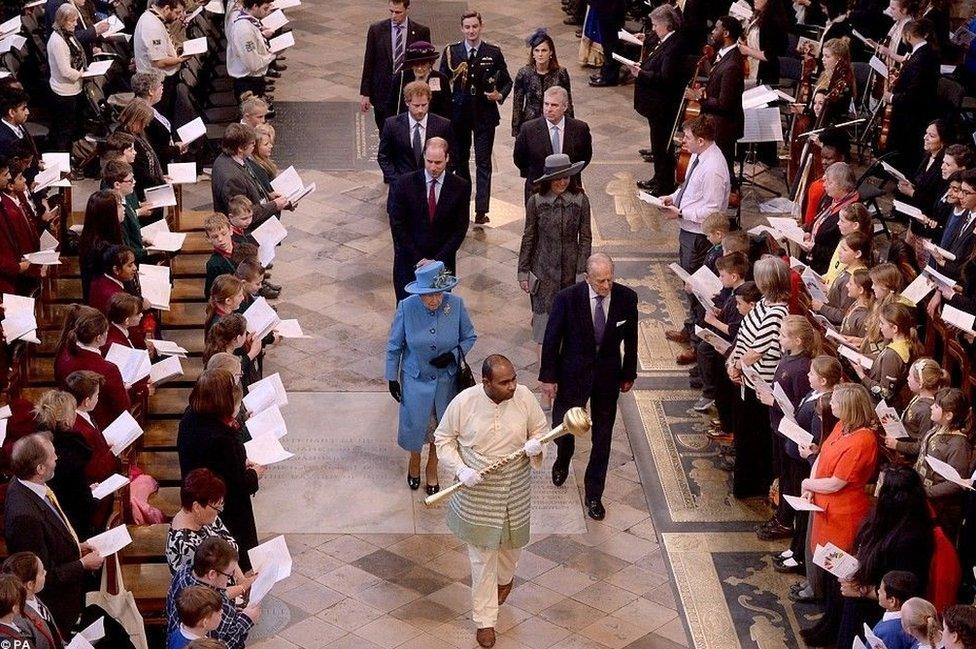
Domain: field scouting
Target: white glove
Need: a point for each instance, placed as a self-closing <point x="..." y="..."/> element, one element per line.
<point x="532" y="448"/>
<point x="469" y="476"/>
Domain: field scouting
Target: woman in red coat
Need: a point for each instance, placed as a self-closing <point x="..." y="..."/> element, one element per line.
<point x="85" y="331"/>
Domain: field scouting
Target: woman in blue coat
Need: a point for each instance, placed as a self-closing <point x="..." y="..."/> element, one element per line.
<point x="429" y="328"/>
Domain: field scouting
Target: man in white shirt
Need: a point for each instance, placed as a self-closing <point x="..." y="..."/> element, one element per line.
<point x="491" y="513"/>
<point x="154" y="49"/>
<point x="704" y="191"/>
<point x="248" y="53"/>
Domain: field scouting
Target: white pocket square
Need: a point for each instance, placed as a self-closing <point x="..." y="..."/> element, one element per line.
<point x="622" y="322"/>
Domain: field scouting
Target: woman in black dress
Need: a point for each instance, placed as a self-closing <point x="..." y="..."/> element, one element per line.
<point x="538" y="75"/>
<point x="209" y="437"/>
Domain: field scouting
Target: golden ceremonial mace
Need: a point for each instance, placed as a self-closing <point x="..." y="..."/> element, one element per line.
<point x="575" y="422"/>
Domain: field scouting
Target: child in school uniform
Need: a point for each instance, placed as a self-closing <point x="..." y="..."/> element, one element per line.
<point x="226" y="254"/>
<point x="852" y="251"/>
<point x="120" y="267"/>
<point x="853" y="218"/>
<point x="947" y="440"/>
<point x="813" y="414"/>
<point x="200" y="609"/>
<point x="124" y="315"/>
<point x="731" y="270"/>
<point x="240" y="212"/>
<point x="744" y="298"/>
<point x="861" y="292"/>
<point x="229" y="334"/>
<point x="29" y="569"/>
<point x="800" y="343"/>
<point x="887" y="376"/>
<point x="226" y="297"/>
<point x="15" y="631"/>
<point x="896" y="588"/>
<point x="252" y="274"/>
<point x="925" y="377"/>
<point x="887" y="283"/>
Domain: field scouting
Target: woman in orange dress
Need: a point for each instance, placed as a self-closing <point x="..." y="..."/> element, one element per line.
<point x="846" y="464"/>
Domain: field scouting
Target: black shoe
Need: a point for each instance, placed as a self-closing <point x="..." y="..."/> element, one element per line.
<point x="280" y="67"/>
<point x="786" y="569"/>
<point x="480" y="218"/>
<point x="559" y="475"/>
<point x="648" y="185"/>
<point x="603" y="82"/>
<point x="647" y="153"/>
<point x="572" y="20"/>
<point x="595" y="509"/>
<point x="695" y="383"/>
<point x="431" y="488"/>
<point x="268" y="294"/>
<point x="273" y="287"/>
<point x="579" y="34"/>
<point x="274" y="74"/>
<point x="413" y="482"/>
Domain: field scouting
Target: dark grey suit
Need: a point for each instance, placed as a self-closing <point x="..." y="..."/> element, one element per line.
<point x="396" y="155"/>
<point x="378" y="63"/>
<point x="230" y="179"/>
<point x="534" y="144"/>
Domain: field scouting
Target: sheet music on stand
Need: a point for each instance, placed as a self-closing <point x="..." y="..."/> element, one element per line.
<point x="762" y="125"/>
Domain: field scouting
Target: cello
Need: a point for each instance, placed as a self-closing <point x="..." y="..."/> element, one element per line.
<point x="804" y="121"/>
<point x="689" y="109"/>
<point x="893" y="74"/>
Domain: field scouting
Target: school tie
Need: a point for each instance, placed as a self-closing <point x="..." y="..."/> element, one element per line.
<point x="684" y="185"/>
<point x="432" y="201"/>
<point x="53" y="501"/>
<point x="599" y="320"/>
<point x="418" y="147"/>
<point x="555" y="139"/>
<point x="398" y="49"/>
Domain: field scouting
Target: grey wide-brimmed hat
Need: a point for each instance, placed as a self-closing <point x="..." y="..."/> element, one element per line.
<point x="420" y="52"/>
<point x="558" y="165"/>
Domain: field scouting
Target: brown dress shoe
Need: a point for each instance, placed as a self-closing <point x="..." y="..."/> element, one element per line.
<point x="677" y="336"/>
<point x="486" y="637"/>
<point x="503" y="591"/>
<point x="686" y="357"/>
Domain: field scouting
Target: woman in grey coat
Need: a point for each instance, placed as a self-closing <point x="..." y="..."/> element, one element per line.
<point x="556" y="241"/>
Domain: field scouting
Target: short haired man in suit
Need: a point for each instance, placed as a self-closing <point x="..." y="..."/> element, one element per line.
<point x="428" y="211"/>
<point x="13" y="128"/>
<point x="231" y="176"/>
<point x="554" y="132"/>
<point x="657" y="94"/>
<point x="722" y="95"/>
<point x="35" y="522"/>
<point x="403" y="137"/>
<point x="479" y="83"/>
<point x="912" y="105"/>
<point x="581" y="362"/>
<point x="386" y="47"/>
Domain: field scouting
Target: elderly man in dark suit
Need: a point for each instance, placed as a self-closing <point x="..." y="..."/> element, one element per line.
<point x="554" y="132"/>
<point x="428" y="211"/>
<point x="386" y="48"/>
<point x="403" y="137"/>
<point x="722" y="95"/>
<point x="231" y="176"/>
<point x="581" y="362"/>
<point x="35" y="522"/>
<point x="657" y="94"/>
<point x="479" y="83"/>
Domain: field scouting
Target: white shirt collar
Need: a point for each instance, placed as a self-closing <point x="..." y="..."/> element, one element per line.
<point x="107" y="276"/>
<point x="428" y="178"/>
<point x="394" y="26"/>
<point x="413" y="122"/>
<point x="125" y="332"/>
<point x="725" y="50"/>
<point x="561" y="124"/>
<point x="468" y="46"/>
<point x="665" y="37"/>
<point x="95" y="350"/>
<point x="162" y="119"/>
<point x="84" y="415"/>
<point x="39" y="489"/>
<point x="891" y="615"/>
<point x="594" y="294"/>
<point x="919" y="46"/>
<point x="19" y="130"/>
<point x="187" y="633"/>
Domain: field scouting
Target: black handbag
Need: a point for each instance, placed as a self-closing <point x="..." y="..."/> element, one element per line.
<point x="465" y="379"/>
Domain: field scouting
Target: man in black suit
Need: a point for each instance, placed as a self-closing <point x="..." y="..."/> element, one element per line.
<point x="13" y="128"/>
<point x="609" y="15"/>
<point x="554" y="132"/>
<point x="232" y="177"/>
<point x="722" y="95"/>
<point x="428" y="211"/>
<point x="403" y="137"/>
<point x="480" y="81"/>
<point x="912" y="96"/>
<point x="581" y="362"/>
<point x="34" y="522"/>
<point x="657" y="94"/>
<point x="386" y="47"/>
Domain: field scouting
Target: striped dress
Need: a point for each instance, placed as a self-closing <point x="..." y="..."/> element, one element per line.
<point x="759" y="332"/>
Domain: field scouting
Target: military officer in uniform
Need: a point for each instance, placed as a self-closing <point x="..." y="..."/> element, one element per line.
<point x="480" y="81"/>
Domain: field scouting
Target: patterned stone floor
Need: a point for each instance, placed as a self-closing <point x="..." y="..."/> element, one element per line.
<point x="607" y="588"/>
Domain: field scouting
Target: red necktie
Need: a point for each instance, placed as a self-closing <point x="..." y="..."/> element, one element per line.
<point x="431" y="201"/>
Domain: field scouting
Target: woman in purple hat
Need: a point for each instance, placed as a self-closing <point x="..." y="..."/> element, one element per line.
<point x="418" y="65"/>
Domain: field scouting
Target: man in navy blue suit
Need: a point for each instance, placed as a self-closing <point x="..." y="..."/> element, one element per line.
<point x="582" y="361"/>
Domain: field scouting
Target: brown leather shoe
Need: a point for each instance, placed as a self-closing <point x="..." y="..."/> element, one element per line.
<point x="677" y="336"/>
<point x="486" y="637"/>
<point x="686" y="357"/>
<point x="503" y="591"/>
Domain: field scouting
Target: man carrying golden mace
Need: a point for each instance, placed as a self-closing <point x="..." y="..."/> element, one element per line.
<point x="490" y="436"/>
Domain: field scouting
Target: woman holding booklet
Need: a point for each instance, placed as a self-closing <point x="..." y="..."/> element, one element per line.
<point x="209" y="437"/>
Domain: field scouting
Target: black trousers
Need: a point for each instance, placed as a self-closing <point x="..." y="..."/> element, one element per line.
<point x="664" y="162"/>
<point x="753" y="448"/>
<point x="483" y="136"/>
<point x="167" y="105"/>
<point x="256" y="85"/>
<point x="603" y="413"/>
<point x="692" y="249"/>
<point x="801" y="522"/>
<point x="610" y="23"/>
<point x="792" y="472"/>
<point x="715" y="382"/>
<point x="64" y="129"/>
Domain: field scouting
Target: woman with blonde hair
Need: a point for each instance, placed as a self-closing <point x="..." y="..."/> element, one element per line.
<point x="55" y="413"/>
<point x="260" y="161"/>
<point x="920" y="620"/>
<point x="757" y="347"/>
<point x="67" y="61"/>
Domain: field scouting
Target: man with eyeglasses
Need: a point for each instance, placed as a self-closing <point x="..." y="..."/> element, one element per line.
<point x="213" y="566"/>
<point x="959" y="237"/>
